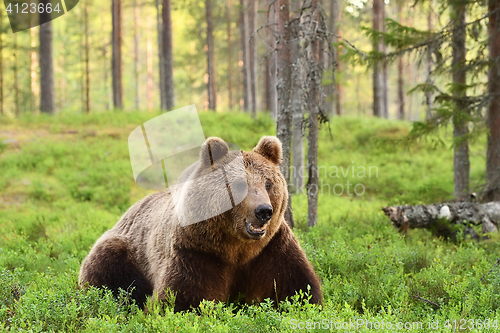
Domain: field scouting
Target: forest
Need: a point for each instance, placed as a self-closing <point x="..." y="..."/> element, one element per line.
<point x="388" y="112"/>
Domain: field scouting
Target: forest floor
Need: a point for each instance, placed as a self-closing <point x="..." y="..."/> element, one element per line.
<point x="66" y="179"/>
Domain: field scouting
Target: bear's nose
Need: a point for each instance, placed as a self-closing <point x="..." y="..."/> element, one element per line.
<point x="263" y="213"/>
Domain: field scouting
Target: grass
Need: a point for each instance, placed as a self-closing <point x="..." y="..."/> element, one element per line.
<point x="66" y="179"/>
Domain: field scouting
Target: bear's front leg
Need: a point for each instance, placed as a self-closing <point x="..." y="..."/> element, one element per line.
<point x="279" y="272"/>
<point x="195" y="276"/>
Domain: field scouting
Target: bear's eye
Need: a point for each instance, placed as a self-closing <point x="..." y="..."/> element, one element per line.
<point x="268" y="185"/>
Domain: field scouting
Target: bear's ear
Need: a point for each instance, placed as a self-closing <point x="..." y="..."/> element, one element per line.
<point x="213" y="150"/>
<point x="270" y="148"/>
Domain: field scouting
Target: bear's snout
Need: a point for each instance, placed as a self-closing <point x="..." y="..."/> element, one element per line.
<point x="263" y="213"/>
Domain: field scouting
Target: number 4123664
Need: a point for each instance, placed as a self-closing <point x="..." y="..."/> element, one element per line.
<point x="25" y="8"/>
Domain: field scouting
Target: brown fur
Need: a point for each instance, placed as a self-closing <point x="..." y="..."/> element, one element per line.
<point x="148" y="250"/>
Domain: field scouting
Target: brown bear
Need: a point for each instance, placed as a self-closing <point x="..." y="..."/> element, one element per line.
<point x="246" y="253"/>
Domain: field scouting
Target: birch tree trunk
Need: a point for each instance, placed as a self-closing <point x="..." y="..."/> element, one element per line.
<point x="493" y="152"/>
<point x="284" y="118"/>
<point x="46" y="64"/>
<point x="456" y="213"/>
<point x="116" y="62"/>
<point x="461" y="165"/>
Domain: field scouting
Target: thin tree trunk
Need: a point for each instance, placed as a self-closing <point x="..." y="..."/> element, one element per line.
<point x="17" y="109"/>
<point x="253" y="56"/>
<point x="87" y="63"/>
<point x="1" y="65"/>
<point x="428" y="93"/>
<point x="409" y="66"/>
<point x="136" y="54"/>
<point x="385" y="70"/>
<point x="271" y="100"/>
<point x="460" y="123"/>
<point x="338" y="88"/>
<point x="33" y="73"/>
<point x="106" y="72"/>
<point x="229" y="55"/>
<point x="297" y="76"/>
<point x="245" y="33"/>
<point x="168" y="70"/>
<point x="312" y="148"/>
<point x="116" y="62"/>
<point x="46" y="64"/>
<point x="149" y="64"/>
<point x="334" y="91"/>
<point x="212" y="98"/>
<point x="493" y="151"/>
<point x="284" y="117"/>
<point x="161" y="58"/>
<point x="458" y="213"/>
<point x="401" y="95"/>
<point x="378" y="96"/>
<point x="297" y="121"/>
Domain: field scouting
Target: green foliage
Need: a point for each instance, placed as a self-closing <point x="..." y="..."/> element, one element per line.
<point x="68" y="180"/>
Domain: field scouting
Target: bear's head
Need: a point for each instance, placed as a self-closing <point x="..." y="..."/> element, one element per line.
<point x="242" y="195"/>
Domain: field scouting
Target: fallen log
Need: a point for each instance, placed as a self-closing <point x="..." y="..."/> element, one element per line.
<point x="439" y="216"/>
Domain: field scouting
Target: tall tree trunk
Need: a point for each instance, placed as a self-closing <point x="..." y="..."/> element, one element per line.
<point x="87" y="63"/>
<point x="284" y="118"/>
<point x="428" y="93"/>
<point x="149" y="64"/>
<point x="1" y="65"/>
<point x="229" y="55"/>
<point x="245" y="46"/>
<point x="333" y="27"/>
<point x="401" y="94"/>
<point x="297" y="76"/>
<point x="33" y="73"/>
<point x="312" y="149"/>
<point x="46" y="64"/>
<point x="460" y="119"/>
<point x="136" y="54"/>
<point x="106" y="72"/>
<point x="338" y="88"/>
<point x="15" y="50"/>
<point x="212" y="97"/>
<point x="385" y="70"/>
<point x="253" y="55"/>
<point x="271" y="96"/>
<point x="161" y="58"/>
<point x="493" y="152"/>
<point x="168" y="70"/>
<point x="378" y="96"/>
<point x="116" y="62"/>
